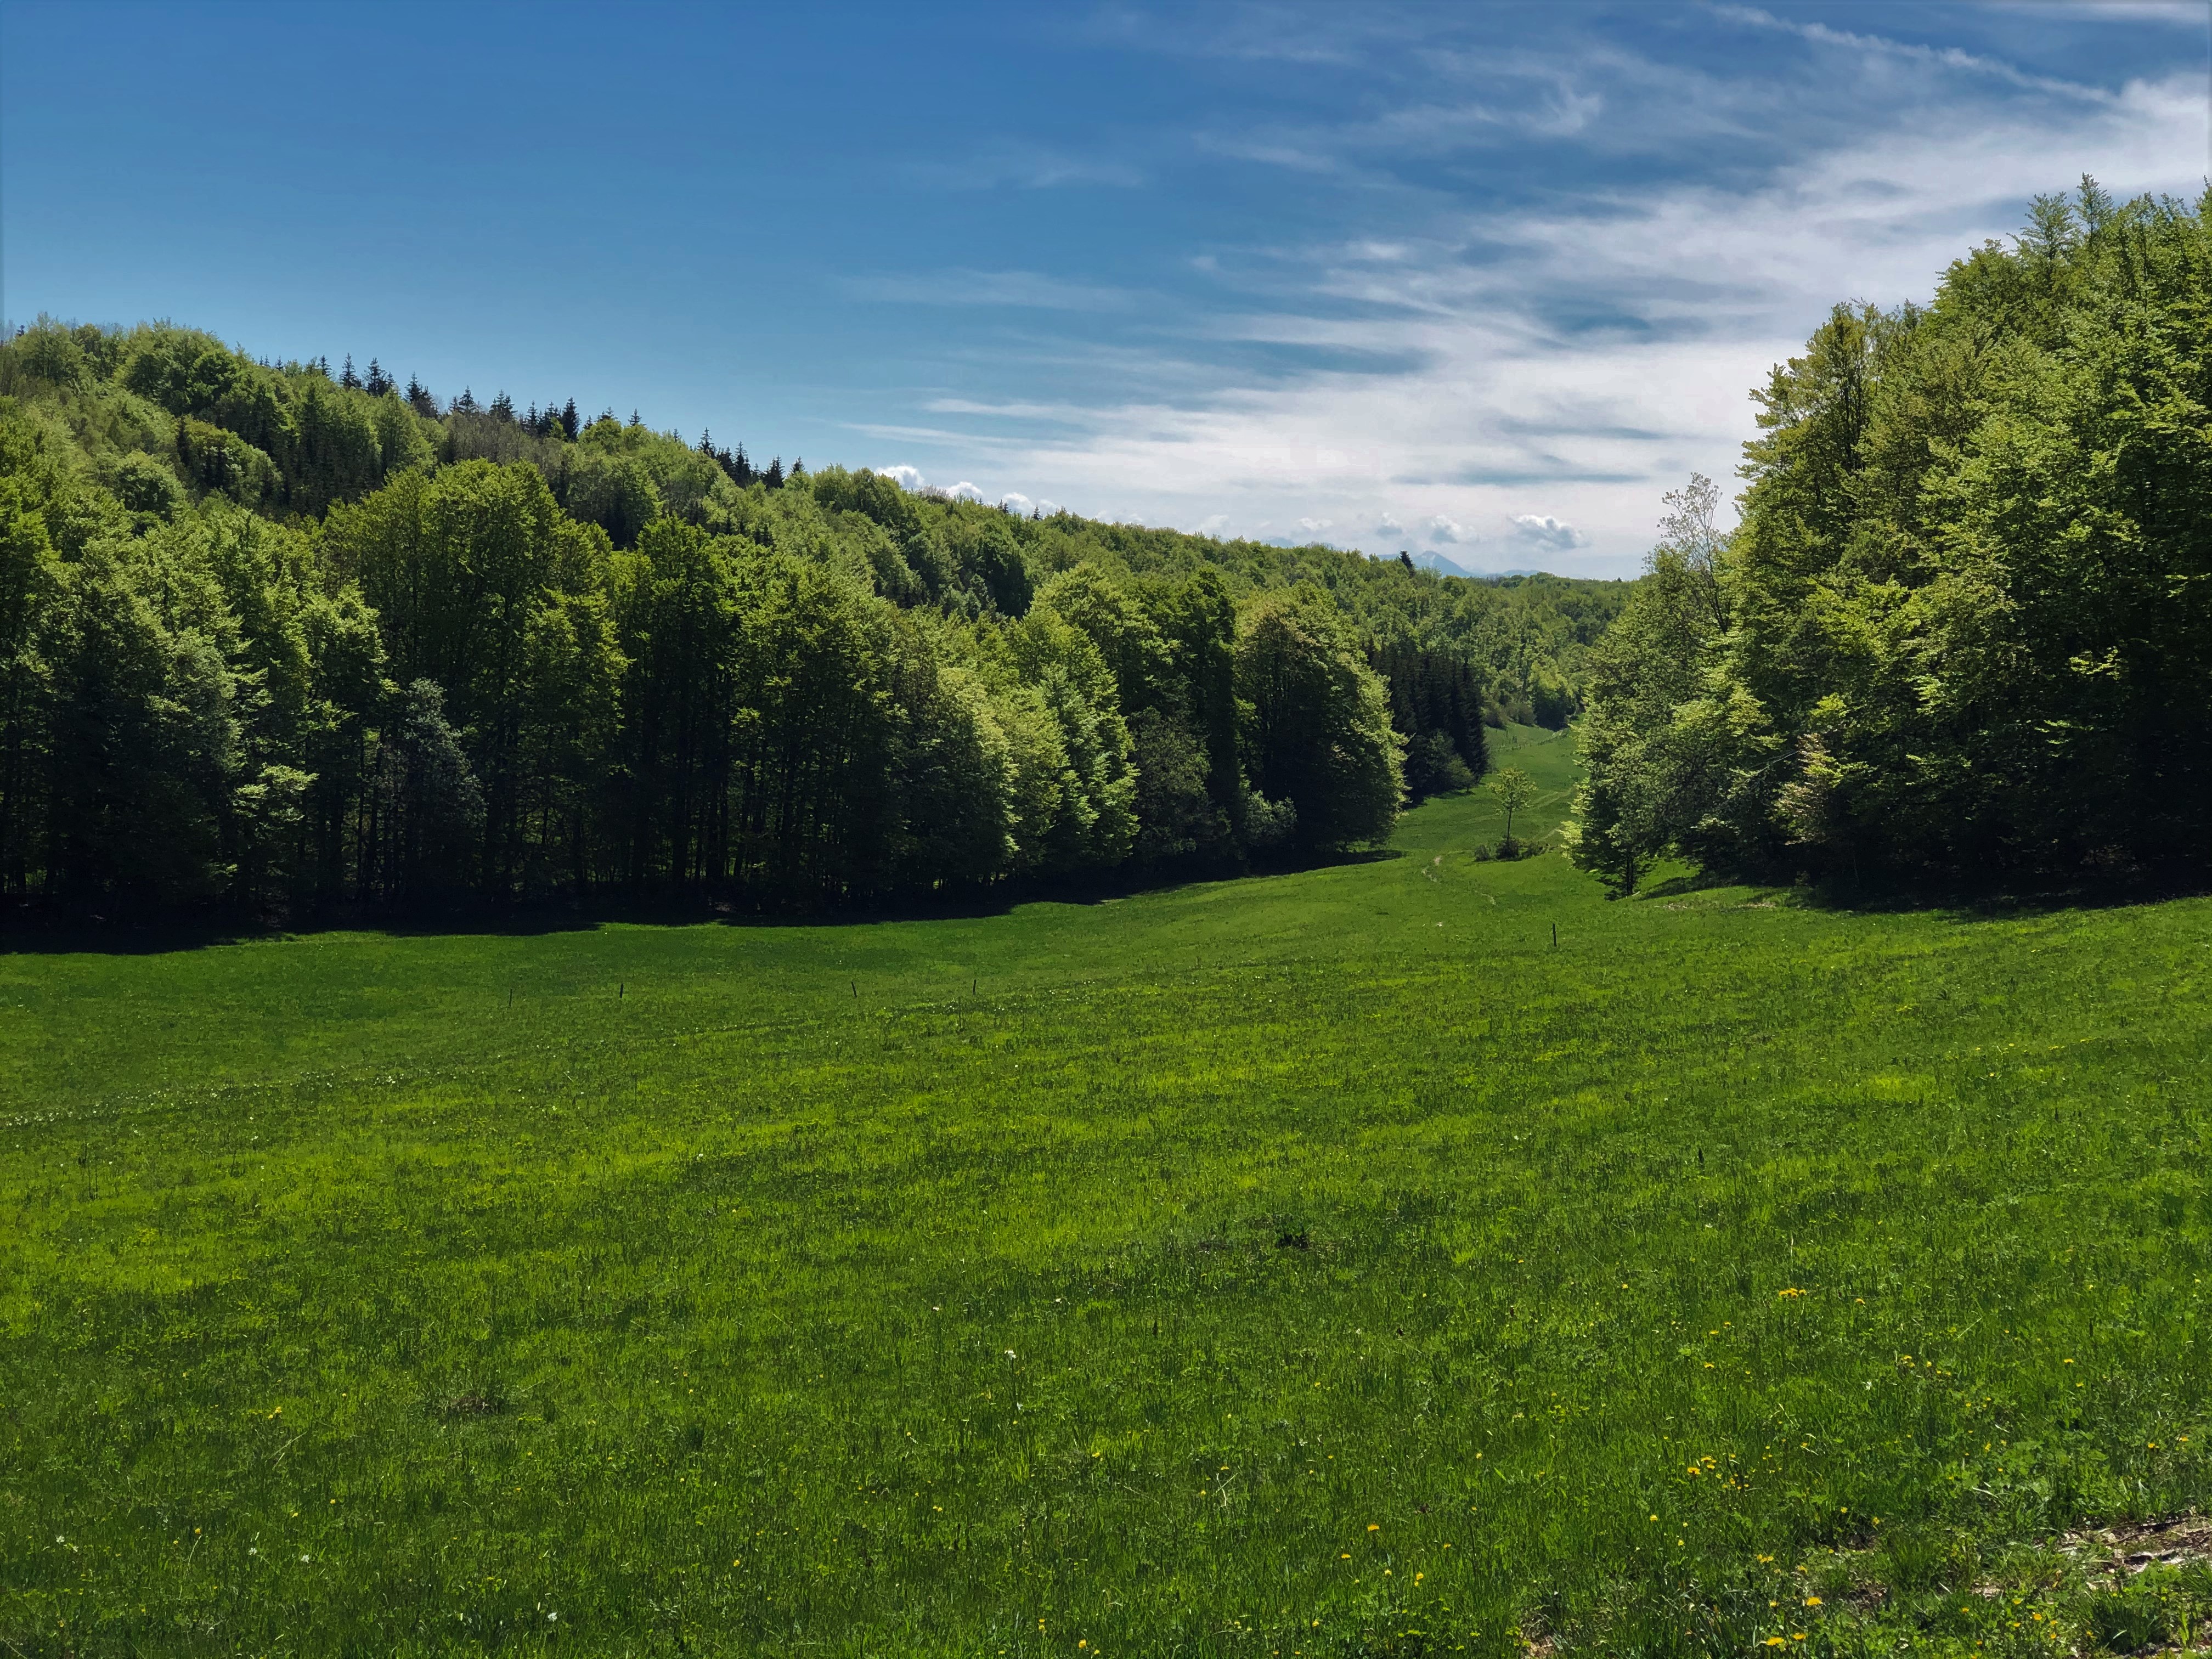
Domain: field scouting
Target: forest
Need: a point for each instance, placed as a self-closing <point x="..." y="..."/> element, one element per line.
<point x="1964" y="625"/>
<point x="291" y="642"/>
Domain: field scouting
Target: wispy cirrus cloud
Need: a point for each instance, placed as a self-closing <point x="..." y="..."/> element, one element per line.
<point x="1027" y="289"/>
<point x="1521" y="375"/>
<point x="1007" y="165"/>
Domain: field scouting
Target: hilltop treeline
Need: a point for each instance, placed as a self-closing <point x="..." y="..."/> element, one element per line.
<point x="1966" y="622"/>
<point x="287" y="640"/>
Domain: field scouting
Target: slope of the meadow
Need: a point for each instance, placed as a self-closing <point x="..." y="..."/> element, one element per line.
<point x="1310" y="1264"/>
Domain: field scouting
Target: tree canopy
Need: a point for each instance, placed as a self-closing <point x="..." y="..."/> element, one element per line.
<point x="1966" y="622"/>
<point x="291" y="641"/>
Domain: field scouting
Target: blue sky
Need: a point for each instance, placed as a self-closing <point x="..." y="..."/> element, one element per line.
<point x="1480" y="280"/>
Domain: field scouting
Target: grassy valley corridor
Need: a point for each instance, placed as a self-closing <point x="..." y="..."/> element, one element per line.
<point x="1310" y="1264"/>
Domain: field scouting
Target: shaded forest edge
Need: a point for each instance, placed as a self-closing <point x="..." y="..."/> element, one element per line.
<point x="281" y="645"/>
<point x="1961" y="639"/>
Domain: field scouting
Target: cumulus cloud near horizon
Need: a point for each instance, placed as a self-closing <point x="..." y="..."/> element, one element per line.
<point x="1543" y="531"/>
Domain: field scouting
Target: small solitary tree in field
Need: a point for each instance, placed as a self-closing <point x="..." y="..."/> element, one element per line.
<point x="1515" y="789"/>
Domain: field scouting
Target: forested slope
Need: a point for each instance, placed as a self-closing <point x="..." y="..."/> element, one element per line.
<point x="1966" y="623"/>
<point x="287" y="640"/>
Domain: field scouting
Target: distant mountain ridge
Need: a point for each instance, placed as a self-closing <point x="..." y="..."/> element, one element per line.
<point x="1444" y="566"/>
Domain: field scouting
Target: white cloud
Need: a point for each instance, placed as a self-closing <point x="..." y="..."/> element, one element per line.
<point x="1020" y="503"/>
<point x="1547" y="532"/>
<point x="1024" y="167"/>
<point x="907" y="478"/>
<point x="1591" y="353"/>
<point x="963" y="491"/>
<point x="1315" y="527"/>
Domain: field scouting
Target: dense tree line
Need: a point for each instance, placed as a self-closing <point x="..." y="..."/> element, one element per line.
<point x="290" y="640"/>
<point x="1966" y="622"/>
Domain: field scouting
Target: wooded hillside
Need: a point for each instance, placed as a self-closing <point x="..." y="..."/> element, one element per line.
<point x="1966" y="623"/>
<point x="284" y="640"/>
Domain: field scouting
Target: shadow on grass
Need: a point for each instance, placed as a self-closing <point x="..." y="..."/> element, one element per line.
<point x="1984" y="897"/>
<point x="2000" y="895"/>
<point x="1680" y="886"/>
<point x="31" y="930"/>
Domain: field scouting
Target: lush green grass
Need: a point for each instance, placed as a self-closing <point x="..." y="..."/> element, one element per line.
<point x="1308" y="1264"/>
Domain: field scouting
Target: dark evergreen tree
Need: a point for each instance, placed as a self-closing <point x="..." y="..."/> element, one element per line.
<point x="1434" y="694"/>
<point x="378" y="382"/>
<point x="347" y="378"/>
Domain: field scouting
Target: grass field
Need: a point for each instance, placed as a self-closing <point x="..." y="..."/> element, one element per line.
<point x="1314" y="1264"/>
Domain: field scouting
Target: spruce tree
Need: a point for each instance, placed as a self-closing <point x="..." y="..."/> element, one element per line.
<point x="347" y="378"/>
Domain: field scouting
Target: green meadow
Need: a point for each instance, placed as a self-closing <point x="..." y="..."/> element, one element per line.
<point x="1417" y="1255"/>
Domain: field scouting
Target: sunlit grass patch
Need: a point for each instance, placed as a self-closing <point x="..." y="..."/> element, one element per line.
<point x="1104" y="1273"/>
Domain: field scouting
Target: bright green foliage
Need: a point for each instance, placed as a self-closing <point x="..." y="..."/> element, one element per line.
<point x="1514" y="790"/>
<point x="1319" y="735"/>
<point x="1290" y="1263"/>
<point x="483" y="588"/>
<point x="460" y="652"/>
<point x="1964" y="624"/>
